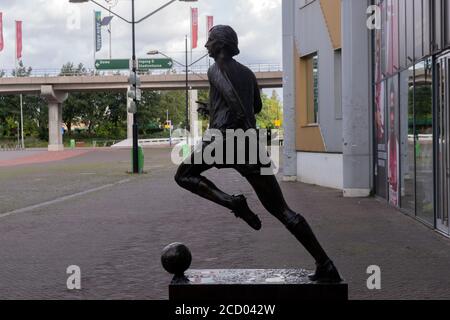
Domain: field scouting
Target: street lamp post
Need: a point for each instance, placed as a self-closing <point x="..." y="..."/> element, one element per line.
<point x="133" y="23"/>
<point x="188" y="127"/>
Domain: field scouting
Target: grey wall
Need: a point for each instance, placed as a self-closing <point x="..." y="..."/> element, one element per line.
<point x="311" y="36"/>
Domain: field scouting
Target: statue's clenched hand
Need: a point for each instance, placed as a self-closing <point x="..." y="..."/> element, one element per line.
<point x="203" y="108"/>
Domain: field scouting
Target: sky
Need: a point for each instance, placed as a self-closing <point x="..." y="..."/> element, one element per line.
<point x="56" y="32"/>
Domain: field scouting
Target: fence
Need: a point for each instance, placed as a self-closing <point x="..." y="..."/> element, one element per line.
<point x="10" y="147"/>
<point x="201" y="69"/>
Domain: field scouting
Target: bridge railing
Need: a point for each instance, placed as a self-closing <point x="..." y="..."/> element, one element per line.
<point x="199" y="70"/>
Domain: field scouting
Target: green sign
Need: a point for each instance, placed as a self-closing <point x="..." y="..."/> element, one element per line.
<point x="149" y="64"/>
<point x="113" y="64"/>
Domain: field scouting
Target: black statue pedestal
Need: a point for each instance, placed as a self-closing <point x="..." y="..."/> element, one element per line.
<point x="238" y="285"/>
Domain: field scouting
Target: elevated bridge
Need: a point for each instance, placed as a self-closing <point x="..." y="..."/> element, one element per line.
<point x="268" y="75"/>
<point x="55" y="87"/>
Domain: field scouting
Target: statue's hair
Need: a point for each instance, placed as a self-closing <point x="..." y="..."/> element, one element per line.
<point x="227" y="36"/>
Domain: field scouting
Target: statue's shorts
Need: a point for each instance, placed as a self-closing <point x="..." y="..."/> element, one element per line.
<point x="248" y="158"/>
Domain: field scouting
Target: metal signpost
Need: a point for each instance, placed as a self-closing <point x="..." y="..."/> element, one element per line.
<point x="134" y="68"/>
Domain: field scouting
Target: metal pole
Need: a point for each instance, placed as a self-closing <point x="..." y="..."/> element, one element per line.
<point x="95" y="38"/>
<point x="19" y="130"/>
<point x="190" y="15"/>
<point x="21" y="121"/>
<point x="170" y="127"/>
<point x="187" y="87"/>
<point x="110" y="34"/>
<point x="135" y="118"/>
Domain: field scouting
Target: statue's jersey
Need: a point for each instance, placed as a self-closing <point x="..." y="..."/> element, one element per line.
<point x="225" y="109"/>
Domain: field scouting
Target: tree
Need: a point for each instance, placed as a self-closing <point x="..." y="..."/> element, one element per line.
<point x="76" y="101"/>
<point x="271" y="111"/>
<point x="175" y="103"/>
<point x="69" y="69"/>
<point x="22" y="71"/>
<point x="107" y="114"/>
<point x="10" y="111"/>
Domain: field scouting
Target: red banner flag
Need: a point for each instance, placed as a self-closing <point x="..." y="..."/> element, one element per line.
<point x="1" y="32"/>
<point x="18" y="40"/>
<point x="194" y="28"/>
<point x="209" y="24"/>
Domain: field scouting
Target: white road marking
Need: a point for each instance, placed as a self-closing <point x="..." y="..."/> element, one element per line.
<point x="62" y="199"/>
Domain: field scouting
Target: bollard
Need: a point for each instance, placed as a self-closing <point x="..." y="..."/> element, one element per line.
<point x="140" y="159"/>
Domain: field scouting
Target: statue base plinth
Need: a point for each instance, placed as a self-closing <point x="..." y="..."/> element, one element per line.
<point x="279" y="285"/>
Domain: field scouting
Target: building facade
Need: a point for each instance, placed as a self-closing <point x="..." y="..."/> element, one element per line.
<point x="366" y="94"/>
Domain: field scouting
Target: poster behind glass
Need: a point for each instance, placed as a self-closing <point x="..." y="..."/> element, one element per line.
<point x="380" y="125"/>
<point x="383" y="37"/>
<point x="393" y="140"/>
<point x="392" y="37"/>
<point x="380" y="116"/>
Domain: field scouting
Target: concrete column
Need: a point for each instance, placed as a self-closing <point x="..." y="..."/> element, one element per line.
<point x="357" y="122"/>
<point x="55" y="141"/>
<point x="289" y="150"/>
<point x="193" y="115"/>
<point x="55" y="103"/>
<point x="130" y="120"/>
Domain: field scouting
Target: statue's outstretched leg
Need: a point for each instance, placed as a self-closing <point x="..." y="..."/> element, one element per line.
<point x="271" y="196"/>
<point x="189" y="177"/>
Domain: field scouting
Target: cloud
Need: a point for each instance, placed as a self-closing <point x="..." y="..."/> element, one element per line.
<point x="49" y="40"/>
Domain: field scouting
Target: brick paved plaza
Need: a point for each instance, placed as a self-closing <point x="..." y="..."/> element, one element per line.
<point x="84" y="209"/>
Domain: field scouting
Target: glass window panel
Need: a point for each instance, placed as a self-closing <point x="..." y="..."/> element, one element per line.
<point x="418" y="40"/>
<point x="377" y="57"/>
<point x="316" y="87"/>
<point x="393" y="140"/>
<point x="312" y="83"/>
<point x="394" y="52"/>
<point x="338" y="84"/>
<point x="437" y="32"/>
<point x="381" y="150"/>
<point x="391" y="36"/>
<point x="410" y="32"/>
<point x="447" y="23"/>
<point x="442" y="123"/>
<point x="423" y="107"/>
<point x="426" y="27"/>
<point x="402" y="33"/>
<point x="383" y="37"/>
<point x="407" y="159"/>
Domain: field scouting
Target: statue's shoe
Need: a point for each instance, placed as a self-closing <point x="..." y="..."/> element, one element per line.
<point x="326" y="273"/>
<point x="243" y="212"/>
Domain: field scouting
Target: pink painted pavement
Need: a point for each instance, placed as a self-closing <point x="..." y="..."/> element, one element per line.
<point x="42" y="157"/>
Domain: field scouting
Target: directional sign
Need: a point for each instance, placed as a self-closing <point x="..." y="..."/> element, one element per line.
<point x="149" y="64"/>
<point x="112" y="64"/>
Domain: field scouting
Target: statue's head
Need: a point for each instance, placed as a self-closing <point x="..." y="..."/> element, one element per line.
<point x="222" y="42"/>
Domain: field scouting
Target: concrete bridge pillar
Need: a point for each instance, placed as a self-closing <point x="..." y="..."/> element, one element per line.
<point x="130" y="120"/>
<point x="55" y="103"/>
